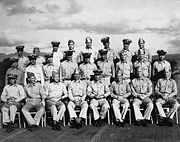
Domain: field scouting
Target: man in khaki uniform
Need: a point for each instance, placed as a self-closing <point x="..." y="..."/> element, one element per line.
<point x="141" y="89"/>
<point x="15" y="70"/>
<point x="39" y="59"/>
<point x="125" y="67"/>
<point x="56" y="91"/>
<point x="120" y="91"/>
<point x="98" y="92"/>
<point x="166" y="91"/>
<point x="11" y="96"/>
<point x="106" y="66"/>
<point x="34" y="99"/>
<point x="67" y="68"/>
<point x="144" y="63"/>
<point x="77" y="95"/>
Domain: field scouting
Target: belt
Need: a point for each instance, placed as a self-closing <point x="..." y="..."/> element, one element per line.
<point x="67" y="78"/>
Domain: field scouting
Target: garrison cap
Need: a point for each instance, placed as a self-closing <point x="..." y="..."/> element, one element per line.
<point x="14" y="59"/>
<point x="86" y="55"/>
<point x="48" y="55"/>
<point x="97" y="72"/>
<point x="32" y="57"/>
<point x="88" y="39"/>
<point x="20" y="48"/>
<point x="127" y="41"/>
<point x="141" y="40"/>
<point x="161" y="52"/>
<point x="13" y="76"/>
<point x="69" y="52"/>
<point x="103" y="51"/>
<point x="70" y="41"/>
<point x="105" y="39"/>
<point x="30" y="74"/>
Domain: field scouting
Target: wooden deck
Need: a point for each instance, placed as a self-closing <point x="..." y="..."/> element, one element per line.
<point x="106" y="133"/>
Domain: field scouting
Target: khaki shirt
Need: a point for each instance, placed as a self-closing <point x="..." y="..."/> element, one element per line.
<point x="128" y="54"/>
<point x="145" y="65"/>
<point x="126" y="68"/>
<point x="121" y="88"/>
<point x="110" y="55"/>
<point x="107" y="67"/>
<point x="88" y="50"/>
<point x="166" y="87"/>
<point x="20" y="75"/>
<point x="87" y="70"/>
<point x="23" y="62"/>
<point x="98" y="89"/>
<point x="47" y="70"/>
<point x="77" y="90"/>
<point x="15" y="91"/>
<point x="40" y="60"/>
<point x="147" y="54"/>
<point x="141" y="86"/>
<point x="160" y="66"/>
<point x="56" y="91"/>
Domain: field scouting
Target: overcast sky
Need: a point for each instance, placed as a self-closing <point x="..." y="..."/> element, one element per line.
<point x="38" y="22"/>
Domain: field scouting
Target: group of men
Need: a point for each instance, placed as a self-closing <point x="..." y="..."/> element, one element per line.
<point x="124" y="78"/>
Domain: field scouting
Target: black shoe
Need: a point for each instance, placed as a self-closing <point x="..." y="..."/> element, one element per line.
<point x="58" y="126"/>
<point x="72" y="124"/>
<point x="143" y="123"/>
<point x="99" y="122"/>
<point x="148" y="121"/>
<point x="169" y="122"/>
<point x="78" y="125"/>
<point x="54" y="126"/>
<point x="117" y="123"/>
<point x="137" y="123"/>
<point x="161" y="122"/>
<point x="122" y="124"/>
<point x="30" y="128"/>
<point x="10" y="128"/>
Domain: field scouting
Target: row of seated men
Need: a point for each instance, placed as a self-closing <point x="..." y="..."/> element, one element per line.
<point x="97" y="90"/>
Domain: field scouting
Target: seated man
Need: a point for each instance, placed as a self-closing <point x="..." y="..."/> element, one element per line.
<point x="98" y="91"/>
<point x="166" y="91"/>
<point x="77" y="95"/>
<point x="11" y="96"/>
<point x="120" y="90"/>
<point x="141" y="89"/>
<point x="56" y="91"/>
<point x="34" y="99"/>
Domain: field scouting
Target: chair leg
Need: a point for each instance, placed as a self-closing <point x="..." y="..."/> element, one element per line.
<point x="108" y="117"/>
<point x="64" y="121"/>
<point x="89" y="118"/>
<point x="44" y="119"/>
<point x="177" y="121"/>
<point x="19" y="119"/>
<point x="129" y="116"/>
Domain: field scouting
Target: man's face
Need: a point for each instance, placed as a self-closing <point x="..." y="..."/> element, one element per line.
<point x="49" y="60"/>
<point x="119" y="77"/>
<point x="88" y="44"/>
<point x="106" y="45"/>
<point x="32" y="79"/>
<point x="97" y="77"/>
<point x="123" y="57"/>
<point x="56" y="78"/>
<point x="55" y="48"/>
<point x="141" y="45"/>
<point x="20" y="53"/>
<point x="76" y="76"/>
<point x="71" y="46"/>
<point x="161" y="57"/>
<point x="141" y="54"/>
<point x="86" y="60"/>
<point x="12" y="81"/>
<point x="33" y="61"/>
<point x="69" y="58"/>
<point x="167" y="73"/>
<point x="14" y="65"/>
<point x="139" y="73"/>
<point x="104" y="56"/>
<point x="36" y="51"/>
<point x="126" y="46"/>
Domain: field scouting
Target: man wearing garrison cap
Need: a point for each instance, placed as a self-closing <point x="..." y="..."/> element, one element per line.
<point x="15" y="70"/>
<point x="128" y="53"/>
<point x="88" y="49"/>
<point x="110" y="54"/>
<point x="57" y="55"/>
<point x="67" y="68"/>
<point x="37" y="70"/>
<point x="147" y="55"/>
<point x="23" y="61"/>
<point x="160" y="65"/>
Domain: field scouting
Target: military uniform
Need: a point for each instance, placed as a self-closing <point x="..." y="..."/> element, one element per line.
<point x="77" y="95"/>
<point x="147" y="55"/>
<point x="119" y="92"/>
<point x="141" y="90"/>
<point x="40" y="60"/>
<point x="35" y="96"/>
<point x="11" y="96"/>
<point x="166" y="90"/>
<point x="55" y="93"/>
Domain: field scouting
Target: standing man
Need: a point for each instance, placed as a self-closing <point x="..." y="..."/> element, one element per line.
<point x="120" y="91"/>
<point x="37" y="70"/>
<point x="125" y="67"/>
<point x="57" y="55"/>
<point x="40" y="60"/>
<point x="23" y="61"/>
<point x="141" y="90"/>
<point x="77" y="95"/>
<point x="128" y="53"/>
<point x="88" y="49"/>
<point x="15" y="70"/>
<point x="87" y="67"/>
<point x="144" y="63"/>
<point x="11" y="96"/>
<point x="106" y="66"/>
<point x="56" y="91"/>
<point x="166" y="91"/>
<point x="147" y="55"/>
<point x="35" y="96"/>
<point x="111" y="56"/>
<point x="98" y="92"/>
<point x="160" y="65"/>
<point x="67" y="68"/>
